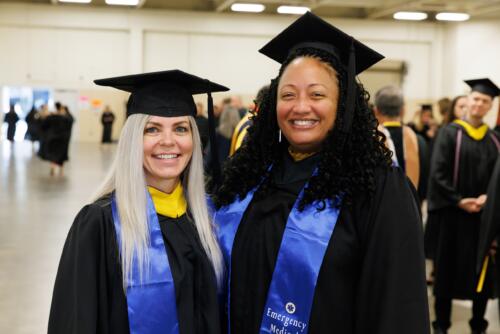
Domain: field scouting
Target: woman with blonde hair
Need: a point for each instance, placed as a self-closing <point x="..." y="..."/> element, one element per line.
<point x="142" y="258"/>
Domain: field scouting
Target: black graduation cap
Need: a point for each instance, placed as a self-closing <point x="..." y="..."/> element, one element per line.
<point x="164" y="93"/>
<point x="310" y="31"/>
<point x="168" y="94"/>
<point x="484" y="86"/>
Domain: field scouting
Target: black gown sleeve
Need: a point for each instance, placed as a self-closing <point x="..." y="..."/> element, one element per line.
<point x="442" y="192"/>
<point x="83" y="302"/>
<point x="392" y="293"/>
<point x="490" y="218"/>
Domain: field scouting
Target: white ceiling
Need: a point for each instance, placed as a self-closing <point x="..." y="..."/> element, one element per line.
<point x="372" y="9"/>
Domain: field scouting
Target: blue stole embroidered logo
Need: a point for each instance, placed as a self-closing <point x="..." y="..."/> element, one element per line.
<point x="304" y="243"/>
<point x="151" y="303"/>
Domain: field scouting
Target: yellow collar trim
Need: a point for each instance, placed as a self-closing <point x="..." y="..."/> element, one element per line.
<point x="297" y="156"/>
<point x="170" y="205"/>
<point x="474" y="133"/>
<point x="392" y="124"/>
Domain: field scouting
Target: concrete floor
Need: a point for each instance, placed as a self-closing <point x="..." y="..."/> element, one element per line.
<point x="36" y="211"/>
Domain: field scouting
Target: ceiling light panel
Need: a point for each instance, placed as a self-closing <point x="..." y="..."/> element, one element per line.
<point x="122" y="2"/>
<point x="412" y="16"/>
<point x="248" y="7"/>
<point x="297" y="10"/>
<point x="452" y="16"/>
<point x="75" y="1"/>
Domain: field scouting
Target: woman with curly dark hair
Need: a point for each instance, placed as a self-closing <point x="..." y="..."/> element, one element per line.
<point x="320" y="234"/>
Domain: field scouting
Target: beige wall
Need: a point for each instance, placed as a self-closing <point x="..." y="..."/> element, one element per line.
<point x="66" y="47"/>
<point x="89" y="122"/>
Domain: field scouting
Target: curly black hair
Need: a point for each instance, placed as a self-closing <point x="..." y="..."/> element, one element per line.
<point x="347" y="169"/>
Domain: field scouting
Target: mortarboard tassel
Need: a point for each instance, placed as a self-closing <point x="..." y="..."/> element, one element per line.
<point x="215" y="166"/>
<point x="351" y="93"/>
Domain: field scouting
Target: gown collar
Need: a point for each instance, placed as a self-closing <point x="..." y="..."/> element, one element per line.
<point x="297" y="156"/>
<point x="170" y="205"/>
<point x="474" y="133"/>
<point x="392" y="124"/>
<point x="288" y="171"/>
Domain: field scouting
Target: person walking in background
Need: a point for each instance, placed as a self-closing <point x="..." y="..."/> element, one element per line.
<point x="56" y="128"/>
<point x="462" y="163"/>
<point x="43" y="114"/>
<point x="68" y="129"/>
<point x="143" y="257"/>
<point x="11" y="118"/>
<point x="33" y="123"/>
<point x="107" y="119"/>
<point x="319" y="233"/>
<point x="389" y="108"/>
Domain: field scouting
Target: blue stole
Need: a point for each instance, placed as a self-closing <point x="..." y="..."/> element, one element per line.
<point x="151" y="304"/>
<point x="303" y="247"/>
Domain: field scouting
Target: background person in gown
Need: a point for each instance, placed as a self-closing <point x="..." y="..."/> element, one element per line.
<point x="107" y="119"/>
<point x="462" y="163"/>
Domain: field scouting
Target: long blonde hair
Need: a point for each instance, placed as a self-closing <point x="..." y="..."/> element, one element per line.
<point x="126" y="178"/>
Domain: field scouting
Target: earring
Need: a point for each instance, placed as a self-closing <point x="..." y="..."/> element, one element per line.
<point x="279" y="136"/>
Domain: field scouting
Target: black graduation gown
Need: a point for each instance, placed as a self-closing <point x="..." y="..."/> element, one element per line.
<point x="490" y="218"/>
<point x="107" y="120"/>
<point x="33" y="122"/>
<point x="88" y="294"/>
<point x="11" y="119"/>
<point x="372" y="278"/>
<point x="455" y="258"/>
<point x="424" y="155"/>
<point x="57" y="132"/>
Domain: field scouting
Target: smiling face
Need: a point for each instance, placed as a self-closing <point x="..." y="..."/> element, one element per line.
<point x="168" y="146"/>
<point x="478" y="105"/>
<point x="307" y="102"/>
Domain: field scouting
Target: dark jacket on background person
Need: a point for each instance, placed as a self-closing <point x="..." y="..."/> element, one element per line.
<point x="57" y="133"/>
<point x="11" y="119"/>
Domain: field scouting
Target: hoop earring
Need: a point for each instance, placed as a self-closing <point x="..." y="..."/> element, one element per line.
<point x="279" y="136"/>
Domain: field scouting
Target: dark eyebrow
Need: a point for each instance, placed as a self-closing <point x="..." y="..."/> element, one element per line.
<point x="308" y="86"/>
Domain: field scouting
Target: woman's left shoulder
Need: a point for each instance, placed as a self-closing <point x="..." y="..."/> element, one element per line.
<point x="391" y="179"/>
<point x="394" y="198"/>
